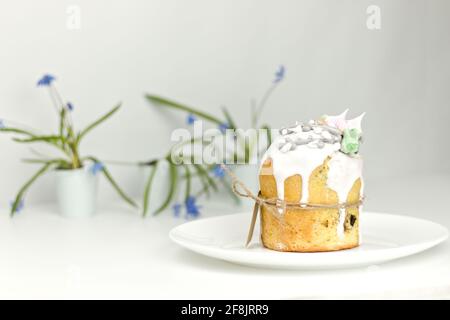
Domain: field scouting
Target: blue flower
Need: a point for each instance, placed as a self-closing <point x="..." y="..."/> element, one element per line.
<point x="96" y="168"/>
<point x="69" y="106"/>
<point x="191" y="118"/>
<point x="177" y="209"/>
<point x="46" y="80"/>
<point x="223" y="127"/>
<point x="192" y="209"/>
<point x="19" y="207"/>
<point x="2" y="124"/>
<point x="218" y="171"/>
<point x="279" y="75"/>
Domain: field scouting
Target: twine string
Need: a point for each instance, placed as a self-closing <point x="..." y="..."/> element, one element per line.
<point x="241" y="190"/>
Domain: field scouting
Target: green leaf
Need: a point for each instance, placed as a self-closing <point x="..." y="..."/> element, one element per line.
<point x="25" y="187"/>
<point x="230" y="120"/>
<point x="62" y="163"/>
<point x="121" y="193"/>
<point x="264" y="100"/>
<point x="62" y="116"/>
<point x="205" y="188"/>
<point x="148" y="187"/>
<point x="244" y="143"/>
<point x="269" y="134"/>
<point x="97" y="122"/>
<point x="247" y="151"/>
<point x="148" y="163"/>
<point x="205" y="174"/>
<point x="52" y="139"/>
<point x="188" y="182"/>
<point x="173" y="172"/>
<point x="16" y="130"/>
<point x="205" y="183"/>
<point x="108" y="177"/>
<point x="168" y="103"/>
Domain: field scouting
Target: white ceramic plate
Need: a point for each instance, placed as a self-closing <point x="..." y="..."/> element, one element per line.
<point x="384" y="237"/>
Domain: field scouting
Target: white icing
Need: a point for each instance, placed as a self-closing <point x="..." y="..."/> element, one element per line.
<point x="303" y="160"/>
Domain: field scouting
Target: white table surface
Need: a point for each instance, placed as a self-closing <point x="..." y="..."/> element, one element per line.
<point x="117" y="254"/>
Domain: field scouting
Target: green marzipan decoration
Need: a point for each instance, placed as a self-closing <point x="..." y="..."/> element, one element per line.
<point x="350" y="141"/>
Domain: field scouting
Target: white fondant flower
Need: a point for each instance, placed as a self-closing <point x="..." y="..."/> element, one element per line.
<point x="340" y="122"/>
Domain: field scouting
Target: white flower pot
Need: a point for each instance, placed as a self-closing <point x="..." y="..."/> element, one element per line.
<point x="76" y="192"/>
<point x="248" y="174"/>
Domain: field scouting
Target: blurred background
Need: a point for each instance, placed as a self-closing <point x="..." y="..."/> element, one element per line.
<point x="211" y="53"/>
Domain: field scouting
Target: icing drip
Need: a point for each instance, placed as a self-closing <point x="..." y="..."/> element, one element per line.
<point x="343" y="171"/>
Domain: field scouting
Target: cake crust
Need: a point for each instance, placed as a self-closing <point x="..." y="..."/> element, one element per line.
<point x="305" y="230"/>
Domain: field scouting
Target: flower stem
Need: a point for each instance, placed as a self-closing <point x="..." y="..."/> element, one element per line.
<point x="76" y="163"/>
<point x="263" y="102"/>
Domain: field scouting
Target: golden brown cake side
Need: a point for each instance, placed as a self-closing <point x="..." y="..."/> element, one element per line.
<point x="302" y="230"/>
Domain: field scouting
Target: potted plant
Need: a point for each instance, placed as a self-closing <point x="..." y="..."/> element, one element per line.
<point x="242" y="159"/>
<point x="76" y="183"/>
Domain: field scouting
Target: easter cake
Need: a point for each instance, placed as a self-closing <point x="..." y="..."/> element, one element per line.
<point x="315" y="169"/>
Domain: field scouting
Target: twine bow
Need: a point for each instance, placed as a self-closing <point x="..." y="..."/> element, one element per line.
<point x="278" y="204"/>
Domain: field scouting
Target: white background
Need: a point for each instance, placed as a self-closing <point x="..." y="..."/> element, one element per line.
<point x="212" y="53"/>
